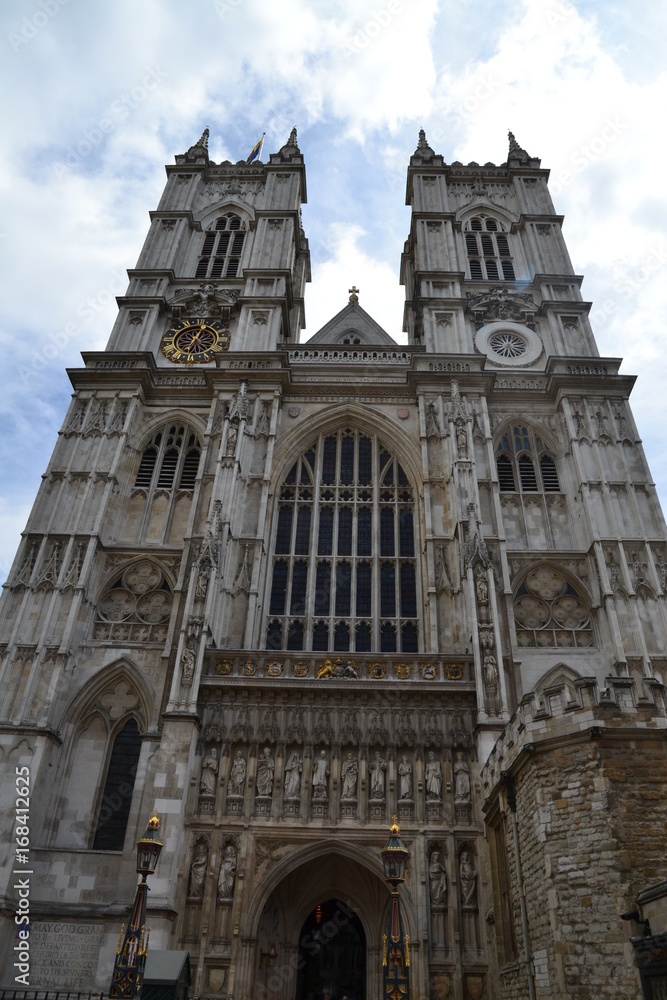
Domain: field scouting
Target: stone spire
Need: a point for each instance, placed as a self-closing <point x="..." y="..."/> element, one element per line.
<point x="516" y="153"/>
<point x="200" y="149"/>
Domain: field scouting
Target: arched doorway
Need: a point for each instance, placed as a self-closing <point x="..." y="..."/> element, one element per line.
<point x="332" y="954"/>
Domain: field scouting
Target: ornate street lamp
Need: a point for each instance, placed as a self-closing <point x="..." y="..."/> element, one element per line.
<point x="395" y="944"/>
<point x="128" y="967"/>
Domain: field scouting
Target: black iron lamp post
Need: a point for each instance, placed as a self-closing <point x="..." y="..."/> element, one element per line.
<point x="128" y="967"/>
<point x="395" y="944"/>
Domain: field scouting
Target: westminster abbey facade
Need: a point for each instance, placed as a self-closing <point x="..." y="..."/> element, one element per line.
<point x="281" y="592"/>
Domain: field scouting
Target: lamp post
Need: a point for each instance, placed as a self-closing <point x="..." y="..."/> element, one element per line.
<point x="395" y="944"/>
<point x="128" y="967"/>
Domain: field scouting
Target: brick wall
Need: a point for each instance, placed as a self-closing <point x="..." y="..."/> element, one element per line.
<point x="588" y="769"/>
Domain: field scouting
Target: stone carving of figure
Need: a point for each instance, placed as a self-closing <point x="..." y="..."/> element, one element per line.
<point x="461" y="779"/>
<point x="198" y="869"/>
<point x="236" y="784"/>
<point x="320" y="776"/>
<point x="188" y="663"/>
<point x="405" y="774"/>
<point x="293" y="775"/>
<point x="209" y="772"/>
<point x="349" y="773"/>
<point x="265" y="768"/>
<point x="432" y="425"/>
<point x="491" y="680"/>
<point x="377" y="769"/>
<point x="227" y="874"/>
<point x="232" y="435"/>
<point x="462" y="439"/>
<point x="468" y="880"/>
<point x="482" y="588"/>
<point x="438" y="880"/>
<point x="433" y="775"/>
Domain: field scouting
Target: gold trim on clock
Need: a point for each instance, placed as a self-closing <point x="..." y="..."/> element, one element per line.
<point x="195" y="341"/>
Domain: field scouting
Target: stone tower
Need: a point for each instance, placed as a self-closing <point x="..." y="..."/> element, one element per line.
<point x="282" y="592"/>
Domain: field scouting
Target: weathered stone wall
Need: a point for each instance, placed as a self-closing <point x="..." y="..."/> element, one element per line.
<point x="588" y="773"/>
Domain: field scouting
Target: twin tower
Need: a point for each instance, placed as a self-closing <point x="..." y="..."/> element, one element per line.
<point x="282" y="591"/>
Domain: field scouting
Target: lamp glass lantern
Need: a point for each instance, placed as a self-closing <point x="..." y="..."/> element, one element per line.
<point x="395" y="857"/>
<point x="148" y="849"/>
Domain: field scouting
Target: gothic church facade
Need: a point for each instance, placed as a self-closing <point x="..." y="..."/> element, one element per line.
<point x="282" y="591"/>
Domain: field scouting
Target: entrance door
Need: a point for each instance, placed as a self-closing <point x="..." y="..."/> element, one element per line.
<point x="332" y="955"/>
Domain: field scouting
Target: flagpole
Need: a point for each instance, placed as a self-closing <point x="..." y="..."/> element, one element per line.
<point x="261" y="147"/>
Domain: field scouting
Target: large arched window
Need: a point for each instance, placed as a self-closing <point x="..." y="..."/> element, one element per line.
<point x="343" y="576"/>
<point x="221" y="250"/>
<point x="524" y="464"/>
<point x="488" y="249"/>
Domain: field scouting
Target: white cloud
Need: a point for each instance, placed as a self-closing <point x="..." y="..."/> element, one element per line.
<point x="358" y="78"/>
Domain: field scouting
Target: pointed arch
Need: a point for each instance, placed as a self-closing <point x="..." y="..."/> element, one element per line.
<point x="552" y="609"/>
<point x="343" y="575"/>
<point x="526" y="459"/>
<point x="101" y="728"/>
<point x="561" y="676"/>
<point x="135" y="603"/>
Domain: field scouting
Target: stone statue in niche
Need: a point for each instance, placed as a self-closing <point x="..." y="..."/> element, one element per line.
<point x="491" y="682"/>
<point x="349" y="774"/>
<point x="236" y="784"/>
<point x="209" y="773"/>
<point x="293" y="775"/>
<point x="405" y="774"/>
<point x="482" y="588"/>
<point x="320" y="776"/>
<point x="461" y="439"/>
<point x="433" y="776"/>
<point x="265" y="768"/>
<point x="432" y="425"/>
<point x="227" y="873"/>
<point x="438" y="880"/>
<point x="230" y="446"/>
<point x="198" y="870"/>
<point x="468" y="880"/>
<point x="377" y="769"/>
<point x="461" y="778"/>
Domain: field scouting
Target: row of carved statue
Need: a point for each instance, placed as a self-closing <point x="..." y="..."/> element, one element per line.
<point x="321" y="771"/>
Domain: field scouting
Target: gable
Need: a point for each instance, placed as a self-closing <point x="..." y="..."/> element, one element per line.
<point x="352" y="325"/>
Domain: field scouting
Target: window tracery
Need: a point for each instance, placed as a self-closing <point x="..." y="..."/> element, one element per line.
<point x="136" y="606"/>
<point x="344" y="564"/>
<point x="222" y="248"/>
<point x="488" y="250"/>
<point x="550" y="612"/>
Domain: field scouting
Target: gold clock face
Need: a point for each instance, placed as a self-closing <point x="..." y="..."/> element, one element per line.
<point x="195" y="341"/>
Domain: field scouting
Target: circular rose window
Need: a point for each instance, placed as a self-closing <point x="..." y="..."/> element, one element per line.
<point x="508" y="345"/>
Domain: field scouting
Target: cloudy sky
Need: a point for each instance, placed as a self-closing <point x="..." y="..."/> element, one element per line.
<point x="99" y="96"/>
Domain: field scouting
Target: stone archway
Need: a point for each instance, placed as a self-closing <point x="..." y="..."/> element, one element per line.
<point x="351" y="896"/>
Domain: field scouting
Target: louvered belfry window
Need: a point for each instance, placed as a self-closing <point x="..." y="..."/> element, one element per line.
<point x="488" y="250"/>
<point x="221" y="251"/>
<point x="523" y="463"/>
<point x="343" y="576"/>
<point x="170" y="460"/>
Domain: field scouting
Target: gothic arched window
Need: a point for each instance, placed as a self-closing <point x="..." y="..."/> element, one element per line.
<point x="114" y="808"/>
<point x="221" y="250"/>
<point x="343" y="576"/>
<point x="488" y="249"/>
<point x="171" y="460"/>
<point x="550" y="612"/>
<point x="523" y="463"/>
